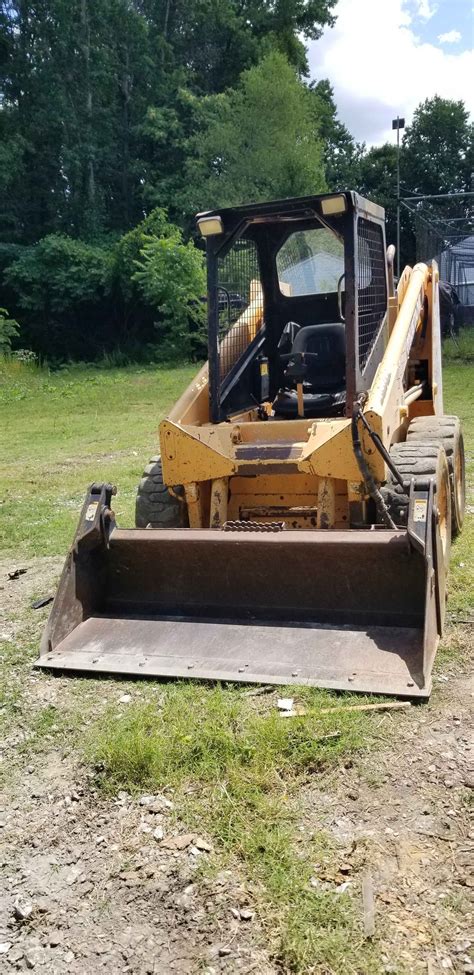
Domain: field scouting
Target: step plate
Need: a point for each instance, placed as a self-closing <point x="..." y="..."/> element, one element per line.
<point x="377" y="659"/>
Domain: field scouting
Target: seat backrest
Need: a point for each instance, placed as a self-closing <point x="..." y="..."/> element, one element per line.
<point x="328" y="341"/>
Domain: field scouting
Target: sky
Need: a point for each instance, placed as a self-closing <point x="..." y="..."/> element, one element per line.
<point x="383" y="57"/>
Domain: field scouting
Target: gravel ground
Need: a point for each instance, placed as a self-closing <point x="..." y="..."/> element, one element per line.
<point x="90" y="884"/>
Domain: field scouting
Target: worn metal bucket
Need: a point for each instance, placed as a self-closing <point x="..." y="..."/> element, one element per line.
<point x="354" y="610"/>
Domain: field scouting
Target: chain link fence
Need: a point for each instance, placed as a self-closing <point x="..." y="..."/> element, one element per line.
<point x="444" y="231"/>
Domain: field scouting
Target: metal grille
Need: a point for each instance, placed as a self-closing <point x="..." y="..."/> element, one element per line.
<point x="239" y="302"/>
<point x="371" y="287"/>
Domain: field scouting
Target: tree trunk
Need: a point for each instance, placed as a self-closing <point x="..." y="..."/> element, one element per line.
<point x="86" y="47"/>
<point x="126" y="94"/>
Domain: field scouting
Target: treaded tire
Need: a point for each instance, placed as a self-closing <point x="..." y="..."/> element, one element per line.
<point x="446" y="430"/>
<point x="154" y="505"/>
<point x="419" y="460"/>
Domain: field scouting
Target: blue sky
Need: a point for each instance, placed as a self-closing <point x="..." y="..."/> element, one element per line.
<point x="449" y="15"/>
<point x="383" y="57"/>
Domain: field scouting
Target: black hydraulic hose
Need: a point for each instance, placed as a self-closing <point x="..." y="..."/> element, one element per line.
<point x="367" y="476"/>
<point x="382" y="450"/>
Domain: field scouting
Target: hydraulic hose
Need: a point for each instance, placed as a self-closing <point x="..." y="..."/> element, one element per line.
<point x="367" y="476"/>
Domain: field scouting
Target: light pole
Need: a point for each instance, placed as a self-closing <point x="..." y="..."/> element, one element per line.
<point x="398" y="123"/>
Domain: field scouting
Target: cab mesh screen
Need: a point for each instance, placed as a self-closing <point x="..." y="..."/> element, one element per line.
<point x="371" y="290"/>
<point x="239" y="303"/>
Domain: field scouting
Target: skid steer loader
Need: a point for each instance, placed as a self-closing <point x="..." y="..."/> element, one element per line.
<point x="296" y="526"/>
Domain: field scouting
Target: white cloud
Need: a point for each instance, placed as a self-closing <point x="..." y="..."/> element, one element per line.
<point x="450" y="37"/>
<point x="425" y="10"/>
<point x="379" y="68"/>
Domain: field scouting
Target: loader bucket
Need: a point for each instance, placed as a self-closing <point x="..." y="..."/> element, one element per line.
<point x="353" y="610"/>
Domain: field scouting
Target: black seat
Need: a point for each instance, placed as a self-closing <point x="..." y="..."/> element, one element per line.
<point x="323" y="373"/>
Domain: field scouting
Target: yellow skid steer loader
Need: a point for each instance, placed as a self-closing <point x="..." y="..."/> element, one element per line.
<point x="296" y="526"/>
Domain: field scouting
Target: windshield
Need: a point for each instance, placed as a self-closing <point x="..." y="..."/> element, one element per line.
<point x="310" y="262"/>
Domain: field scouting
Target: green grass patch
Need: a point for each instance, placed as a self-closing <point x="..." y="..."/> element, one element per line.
<point x="458" y="380"/>
<point x="60" y="431"/>
<point x="459" y="347"/>
<point x="235" y="775"/>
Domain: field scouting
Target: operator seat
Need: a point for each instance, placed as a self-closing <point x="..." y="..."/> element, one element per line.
<point x="324" y="382"/>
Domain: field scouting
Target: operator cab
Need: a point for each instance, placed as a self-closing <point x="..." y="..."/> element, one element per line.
<point x="297" y="301"/>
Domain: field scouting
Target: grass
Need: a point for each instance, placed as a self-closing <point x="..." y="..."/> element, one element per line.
<point x="61" y="431"/>
<point x="460" y="347"/>
<point x="234" y="774"/>
<point x="235" y="769"/>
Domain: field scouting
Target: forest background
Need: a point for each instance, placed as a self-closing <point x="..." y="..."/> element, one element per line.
<point x="120" y="119"/>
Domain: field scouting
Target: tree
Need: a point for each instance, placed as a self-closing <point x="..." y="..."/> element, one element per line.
<point x="96" y="99"/>
<point x="171" y="277"/>
<point x="9" y="329"/>
<point x="257" y="141"/>
<point x="438" y="148"/>
<point x="378" y="181"/>
<point x="341" y="153"/>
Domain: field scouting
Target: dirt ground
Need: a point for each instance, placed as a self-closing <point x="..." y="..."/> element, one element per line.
<point x="87" y="885"/>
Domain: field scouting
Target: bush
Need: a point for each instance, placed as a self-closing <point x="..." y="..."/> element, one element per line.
<point x="171" y="277"/>
<point x="86" y="301"/>
<point x="9" y="329"/>
<point x="61" y="286"/>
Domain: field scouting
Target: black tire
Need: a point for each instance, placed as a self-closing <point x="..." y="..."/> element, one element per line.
<point x="155" y="506"/>
<point x="420" y="460"/>
<point x="445" y="430"/>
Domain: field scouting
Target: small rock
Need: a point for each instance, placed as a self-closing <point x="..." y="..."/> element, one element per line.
<point x="158" y="834"/>
<point x="469" y="781"/>
<point x="22" y="908"/>
<point x="125" y="699"/>
<point x="15" y="955"/>
<point x="143" y="828"/>
<point x="178" y="842"/>
<point x="4" y="947"/>
<point x="202" y="844"/>
<point x="55" y="939"/>
<point x="34" y="956"/>
<point x="446" y="964"/>
<point x="246" y="914"/>
<point x="69" y="957"/>
<point x="223" y="951"/>
<point x="235" y="913"/>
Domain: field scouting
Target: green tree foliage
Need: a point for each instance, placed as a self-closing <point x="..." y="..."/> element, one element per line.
<point x="171" y="278"/>
<point x="341" y="153"/>
<point x="257" y="141"/>
<point x="78" y="300"/>
<point x="95" y="99"/>
<point x="59" y="285"/>
<point x="377" y="179"/>
<point x="119" y="116"/>
<point x="9" y="329"/>
<point x="438" y="148"/>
